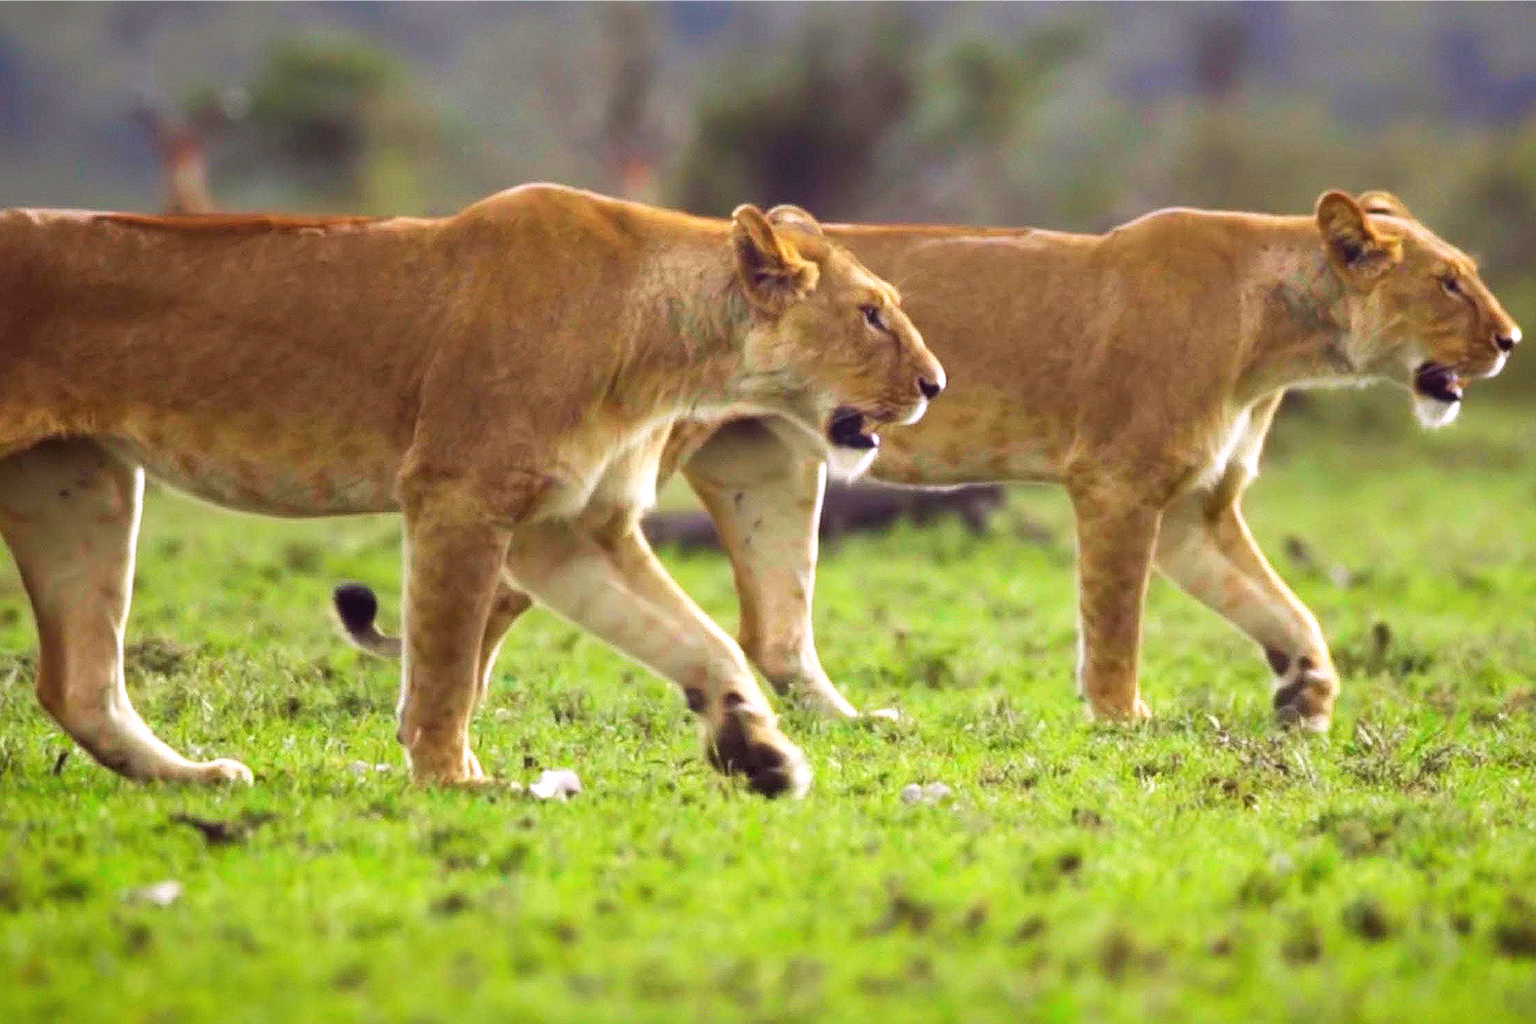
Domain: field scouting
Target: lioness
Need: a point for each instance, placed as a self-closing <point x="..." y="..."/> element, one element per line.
<point x="506" y="377"/>
<point x="1141" y="368"/>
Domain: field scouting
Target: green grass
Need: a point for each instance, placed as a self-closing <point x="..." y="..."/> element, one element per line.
<point x="1207" y="867"/>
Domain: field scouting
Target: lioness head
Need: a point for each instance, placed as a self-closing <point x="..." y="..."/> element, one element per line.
<point x="827" y="345"/>
<point x="1418" y="312"/>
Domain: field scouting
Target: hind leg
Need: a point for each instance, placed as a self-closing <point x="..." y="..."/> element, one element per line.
<point x="70" y="513"/>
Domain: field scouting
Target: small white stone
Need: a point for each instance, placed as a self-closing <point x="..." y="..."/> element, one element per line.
<point x="556" y="784"/>
<point x="159" y="894"/>
<point x="936" y="791"/>
<point x="925" y="793"/>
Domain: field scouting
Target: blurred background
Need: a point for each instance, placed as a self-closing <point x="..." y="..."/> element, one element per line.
<point x="1074" y="116"/>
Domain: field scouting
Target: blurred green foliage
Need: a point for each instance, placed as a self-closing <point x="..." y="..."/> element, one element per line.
<point x="843" y="115"/>
<point x="337" y="113"/>
<point x="317" y="98"/>
<point x="804" y="125"/>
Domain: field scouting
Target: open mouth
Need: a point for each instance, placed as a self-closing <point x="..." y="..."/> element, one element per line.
<point x="850" y="428"/>
<point x="1437" y="381"/>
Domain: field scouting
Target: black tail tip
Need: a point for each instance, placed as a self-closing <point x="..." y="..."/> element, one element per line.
<point x="356" y="606"/>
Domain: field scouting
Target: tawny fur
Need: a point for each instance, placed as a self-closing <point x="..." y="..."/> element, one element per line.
<point x="507" y="377"/>
<point x="1140" y="368"/>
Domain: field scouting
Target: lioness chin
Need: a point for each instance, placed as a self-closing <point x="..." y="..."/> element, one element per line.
<point x="1140" y="368"/>
<point x="507" y="378"/>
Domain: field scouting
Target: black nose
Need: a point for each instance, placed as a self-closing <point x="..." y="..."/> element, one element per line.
<point x="930" y="389"/>
<point x="1505" y="341"/>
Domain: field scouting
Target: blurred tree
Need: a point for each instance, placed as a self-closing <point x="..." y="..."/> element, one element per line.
<point x="1220" y="50"/>
<point x="853" y="120"/>
<point x="338" y="114"/>
<point x="806" y="125"/>
<point x="973" y="121"/>
<point x="1505" y="186"/>
<point x="599" y="91"/>
<point x="628" y="140"/>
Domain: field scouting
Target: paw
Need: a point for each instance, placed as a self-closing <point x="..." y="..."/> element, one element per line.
<point x="452" y="767"/>
<point x="1303" y="710"/>
<point x="1305" y="700"/>
<point x="1116" y="713"/>
<point x="884" y="714"/>
<point x="773" y="766"/>
<point x="225" y="771"/>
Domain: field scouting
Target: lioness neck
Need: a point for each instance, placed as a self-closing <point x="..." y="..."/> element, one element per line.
<point x="688" y="318"/>
<point x="1300" y="334"/>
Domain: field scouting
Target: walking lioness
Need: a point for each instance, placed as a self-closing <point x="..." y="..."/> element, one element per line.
<point x="506" y="377"/>
<point x="1141" y="368"/>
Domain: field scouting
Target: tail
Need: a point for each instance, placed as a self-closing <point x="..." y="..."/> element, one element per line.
<point x="356" y="608"/>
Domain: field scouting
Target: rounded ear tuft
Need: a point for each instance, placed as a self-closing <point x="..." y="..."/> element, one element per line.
<point x="1380" y="201"/>
<point x="1336" y="207"/>
<point x="1343" y="224"/>
<point x="746" y="214"/>
<point x="790" y="215"/>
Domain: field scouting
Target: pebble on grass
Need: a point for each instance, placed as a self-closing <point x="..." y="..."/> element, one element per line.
<point x="157" y="894"/>
<point x="929" y="793"/>
<point x="555" y="784"/>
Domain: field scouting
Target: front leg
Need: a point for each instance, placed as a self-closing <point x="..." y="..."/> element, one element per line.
<point x="614" y="588"/>
<point x="765" y="499"/>
<point x="1115" y="536"/>
<point x="452" y="563"/>
<point x="1212" y="555"/>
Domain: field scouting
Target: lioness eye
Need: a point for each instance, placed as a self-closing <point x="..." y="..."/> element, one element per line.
<point x="1450" y="284"/>
<point x="872" y="314"/>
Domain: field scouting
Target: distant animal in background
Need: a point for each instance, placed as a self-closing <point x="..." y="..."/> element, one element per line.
<point x="847" y="509"/>
<point x="182" y="145"/>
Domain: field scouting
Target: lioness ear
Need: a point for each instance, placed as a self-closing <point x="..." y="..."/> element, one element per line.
<point x="772" y="271"/>
<point x="1379" y="200"/>
<point x="790" y="215"/>
<point x="1352" y="244"/>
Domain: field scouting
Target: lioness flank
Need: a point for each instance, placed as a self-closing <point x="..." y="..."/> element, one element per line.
<point x="506" y="378"/>
<point x="1141" y="368"/>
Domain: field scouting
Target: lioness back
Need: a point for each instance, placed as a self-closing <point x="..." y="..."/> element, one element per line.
<point x="163" y="334"/>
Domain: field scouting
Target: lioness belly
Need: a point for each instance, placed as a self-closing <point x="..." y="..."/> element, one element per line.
<point x="265" y="481"/>
<point x="934" y="459"/>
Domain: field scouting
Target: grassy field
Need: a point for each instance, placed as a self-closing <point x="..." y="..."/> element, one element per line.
<point x="1206" y="867"/>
